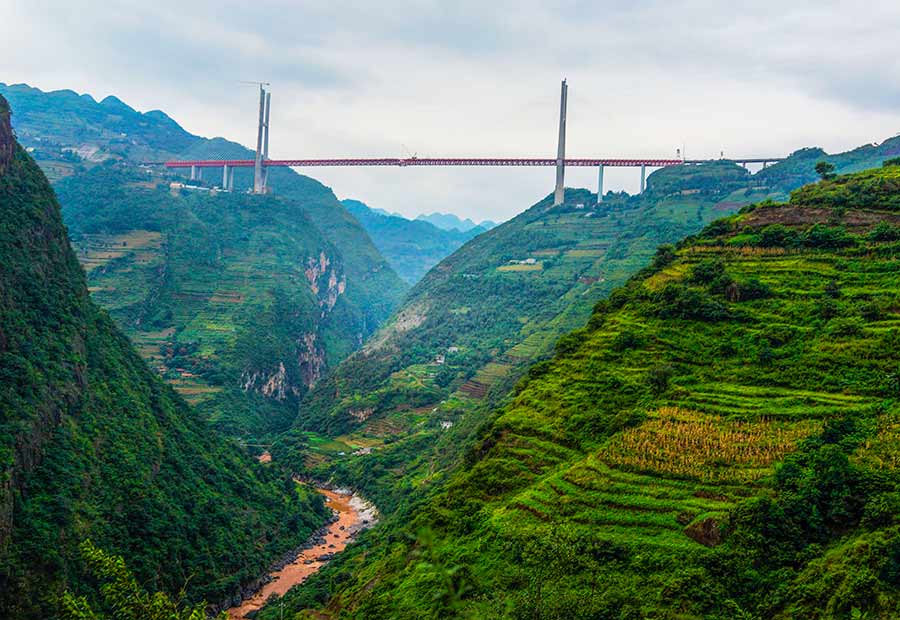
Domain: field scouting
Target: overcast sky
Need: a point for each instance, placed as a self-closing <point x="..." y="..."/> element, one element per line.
<point x="479" y="78"/>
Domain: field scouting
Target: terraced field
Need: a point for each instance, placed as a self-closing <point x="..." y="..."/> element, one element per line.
<point x="488" y="319"/>
<point x="719" y="434"/>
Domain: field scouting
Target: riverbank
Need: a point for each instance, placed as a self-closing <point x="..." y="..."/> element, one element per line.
<point x="353" y="514"/>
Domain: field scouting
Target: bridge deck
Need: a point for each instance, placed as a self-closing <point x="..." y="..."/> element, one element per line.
<point x="448" y="161"/>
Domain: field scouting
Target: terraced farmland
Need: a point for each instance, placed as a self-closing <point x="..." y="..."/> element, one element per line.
<point x="720" y="441"/>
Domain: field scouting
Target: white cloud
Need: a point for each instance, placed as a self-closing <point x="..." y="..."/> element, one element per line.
<point x="475" y="78"/>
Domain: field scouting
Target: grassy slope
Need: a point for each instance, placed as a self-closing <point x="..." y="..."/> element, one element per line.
<point x="500" y="317"/>
<point x="412" y="247"/>
<point x="92" y="444"/>
<point x="636" y="475"/>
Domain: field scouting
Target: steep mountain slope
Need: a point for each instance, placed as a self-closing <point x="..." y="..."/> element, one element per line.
<point x="241" y="301"/>
<point x="466" y="332"/>
<point x="719" y="442"/>
<point x="93" y="445"/>
<point x="412" y="247"/>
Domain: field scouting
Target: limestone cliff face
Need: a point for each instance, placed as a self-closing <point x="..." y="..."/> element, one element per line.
<point x="311" y="359"/>
<point x="326" y="280"/>
<point x="291" y="377"/>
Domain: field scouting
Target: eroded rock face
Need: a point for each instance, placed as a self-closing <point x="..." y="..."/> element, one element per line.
<point x="277" y="383"/>
<point x="362" y="414"/>
<point x="311" y="359"/>
<point x="326" y="281"/>
<point x="270" y="384"/>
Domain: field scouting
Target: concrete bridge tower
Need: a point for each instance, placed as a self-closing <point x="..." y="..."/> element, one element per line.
<point x="559" y="194"/>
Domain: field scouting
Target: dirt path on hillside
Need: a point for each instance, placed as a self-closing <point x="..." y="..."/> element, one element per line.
<point x="353" y="515"/>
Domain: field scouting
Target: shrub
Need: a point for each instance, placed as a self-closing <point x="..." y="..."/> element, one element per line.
<point x="717" y="228"/>
<point x="664" y="256"/>
<point x="827" y="237"/>
<point x="680" y="302"/>
<point x="850" y="326"/>
<point x="778" y="236"/>
<point x="658" y="378"/>
<point x="884" y="231"/>
<point x="627" y="340"/>
<point x="748" y="290"/>
<point x="707" y="271"/>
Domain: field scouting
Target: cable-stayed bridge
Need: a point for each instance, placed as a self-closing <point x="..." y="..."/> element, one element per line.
<point x="262" y="163"/>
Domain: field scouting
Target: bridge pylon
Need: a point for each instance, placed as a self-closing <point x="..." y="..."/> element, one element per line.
<point x="559" y="194"/>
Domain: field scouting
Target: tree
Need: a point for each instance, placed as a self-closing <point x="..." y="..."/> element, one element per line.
<point x="122" y="597"/>
<point x="825" y="170"/>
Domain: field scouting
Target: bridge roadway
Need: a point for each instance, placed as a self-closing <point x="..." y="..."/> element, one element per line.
<point x="449" y="161"/>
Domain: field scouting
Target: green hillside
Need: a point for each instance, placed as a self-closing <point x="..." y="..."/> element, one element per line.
<point x="720" y="441"/>
<point x="240" y="301"/>
<point x="94" y="445"/>
<point x="422" y="384"/>
<point x="62" y="128"/>
<point x="412" y="247"/>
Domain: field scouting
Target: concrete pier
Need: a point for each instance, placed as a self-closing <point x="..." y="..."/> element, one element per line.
<point x="600" y="184"/>
<point x="643" y="178"/>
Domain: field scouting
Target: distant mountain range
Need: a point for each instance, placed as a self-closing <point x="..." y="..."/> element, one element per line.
<point x="412" y="247"/>
<point x="448" y="221"/>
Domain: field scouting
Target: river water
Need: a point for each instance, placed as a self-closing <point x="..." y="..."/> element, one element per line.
<point x="354" y="514"/>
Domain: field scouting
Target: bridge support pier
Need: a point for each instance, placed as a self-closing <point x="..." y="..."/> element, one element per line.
<point x="225" y="171"/>
<point x="600" y="184"/>
<point x="643" y="178"/>
<point x="193" y="173"/>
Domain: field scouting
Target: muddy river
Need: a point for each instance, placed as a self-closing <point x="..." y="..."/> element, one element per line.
<point x="354" y="514"/>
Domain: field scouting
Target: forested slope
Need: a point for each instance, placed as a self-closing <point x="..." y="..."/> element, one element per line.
<point x="720" y="441"/>
<point x="242" y="302"/>
<point x="466" y="332"/>
<point x="94" y="445"/>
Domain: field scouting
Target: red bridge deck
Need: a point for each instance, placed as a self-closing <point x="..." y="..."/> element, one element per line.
<point x="428" y="161"/>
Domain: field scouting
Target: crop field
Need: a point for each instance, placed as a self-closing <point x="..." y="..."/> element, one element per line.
<point x="683" y="443"/>
<point x="617" y="505"/>
<point x="515" y="268"/>
<point x="140" y="246"/>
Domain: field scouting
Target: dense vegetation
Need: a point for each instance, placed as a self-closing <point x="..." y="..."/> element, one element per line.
<point x="94" y="445"/>
<point x="240" y="301"/>
<point x="412" y="247"/>
<point x="720" y="441"/>
<point x="423" y="384"/>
